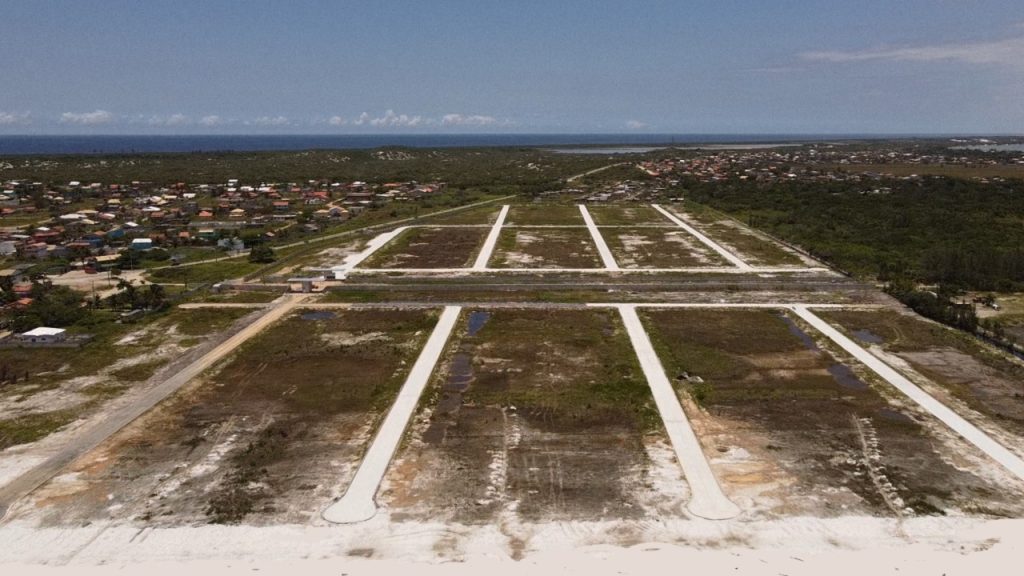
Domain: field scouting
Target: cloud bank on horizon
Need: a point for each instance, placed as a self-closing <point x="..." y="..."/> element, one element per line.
<point x="455" y="66"/>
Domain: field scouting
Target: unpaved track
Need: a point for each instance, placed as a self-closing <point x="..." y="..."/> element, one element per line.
<point x="602" y="247"/>
<point x="93" y="436"/>
<point x="358" y="505"/>
<point x="968" y="431"/>
<point x="708" y="500"/>
<point x="492" y="239"/>
<point x="734" y="259"/>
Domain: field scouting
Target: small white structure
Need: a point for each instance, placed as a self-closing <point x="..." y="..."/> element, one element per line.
<point x="43" y="335"/>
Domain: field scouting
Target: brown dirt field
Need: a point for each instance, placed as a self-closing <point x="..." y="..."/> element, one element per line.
<point x="533" y="415"/>
<point x="271" y="435"/>
<point x="545" y="248"/>
<point x="625" y="214"/>
<point x="544" y="214"/>
<point x="430" y="248"/>
<point x="984" y="379"/>
<point x="657" y="248"/>
<point x="836" y="445"/>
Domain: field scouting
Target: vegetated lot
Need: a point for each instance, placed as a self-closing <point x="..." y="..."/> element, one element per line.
<point x="45" y="389"/>
<point x="545" y="248"/>
<point x="795" y="432"/>
<point x="738" y="239"/>
<point x="270" y="435"/>
<point x="659" y="248"/>
<point x="430" y="248"/>
<point x="627" y="214"/>
<point x="536" y="415"/>
<point x="983" y="378"/>
<point x="544" y="214"/>
<point x="471" y="216"/>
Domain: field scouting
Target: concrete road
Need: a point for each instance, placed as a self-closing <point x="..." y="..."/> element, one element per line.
<point x="968" y="431"/>
<point x="492" y="240"/>
<point x="602" y="247"/>
<point x="732" y="258"/>
<point x="358" y="505"/>
<point x="94" y="435"/>
<point x="707" y="499"/>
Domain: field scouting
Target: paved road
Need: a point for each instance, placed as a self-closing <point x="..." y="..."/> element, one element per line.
<point x="968" y="431"/>
<point x="94" y="435"/>
<point x="594" y="171"/>
<point x="492" y="240"/>
<point x="734" y="259"/>
<point x="602" y="248"/>
<point x="707" y="499"/>
<point x="358" y="502"/>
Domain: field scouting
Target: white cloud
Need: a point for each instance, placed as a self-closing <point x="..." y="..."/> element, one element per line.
<point x="270" y="121"/>
<point x="336" y="121"/>
<point x="636" y="125"/>
<point x="87" y="118"/>
<point x="363" y="119"/>
<point x="472" y="120"/>
<point x="12" y="119"/>
<point x="1009" y="51"/>
<point x="172" y="120"/>
<point x="390" y="119"/>
<point x="212" y="120"/>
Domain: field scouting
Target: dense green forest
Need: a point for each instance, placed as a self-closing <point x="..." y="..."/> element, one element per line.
<point x="959" y="233"/>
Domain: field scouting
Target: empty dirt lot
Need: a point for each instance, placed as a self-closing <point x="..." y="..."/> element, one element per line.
<point x="659" y="248"/>
<point x="545" y="248"/>
<point x="750" y="246"/>
<point x="536" y="415"/>
<point x="627" y="215"/>
<point x="986" y="381"/>
<point x="430" y="248"/>
<point x="798" y="432"/>
<point x="270" y="435"/>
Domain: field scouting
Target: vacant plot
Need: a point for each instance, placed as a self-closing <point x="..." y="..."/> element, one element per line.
<point x="627" y="214"/>
<point x="800" y="433"/>
<point x="45" y="389"/>
<point x="430" y="248"/>
<point x="547" y="214"/>
<point x="659" y="248"/>
<point x="750" y="246"/>
<point x="983" y="378"/>
<point x="545" y="248"/>
<point x="471" y="216"/>
<point x="536" y="415"/>
<point x="272" y="434"/>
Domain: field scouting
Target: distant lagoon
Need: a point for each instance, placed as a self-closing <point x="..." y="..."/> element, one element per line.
<point x="580" y="143"/>
<point x="993" y="147"/>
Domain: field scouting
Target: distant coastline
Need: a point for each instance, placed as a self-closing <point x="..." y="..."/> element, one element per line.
<point x="139" y="144"/>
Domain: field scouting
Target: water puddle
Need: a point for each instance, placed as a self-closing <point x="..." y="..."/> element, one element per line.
<point x="477" y="319"/>
<point x="795" y="330"/>
<point x="846" y="378"/>
<point x="895" y="416"/>
<point x="319" y="315"/>
<point x="460" y="376"/>
<point x="865" y="335"/>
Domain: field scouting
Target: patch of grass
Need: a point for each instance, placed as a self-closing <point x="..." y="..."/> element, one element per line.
<point x="139" y="372"/>
<point x="28" y="429"/>
<point x="544" y="213"/>
<point x="202" y="322"/>
<point x="626" y="214"/>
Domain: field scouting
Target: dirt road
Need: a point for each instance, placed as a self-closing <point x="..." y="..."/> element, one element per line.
<point x="93" y="436"/>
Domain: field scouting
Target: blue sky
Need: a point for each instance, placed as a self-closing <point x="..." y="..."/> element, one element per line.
<point x="725" y="66"/>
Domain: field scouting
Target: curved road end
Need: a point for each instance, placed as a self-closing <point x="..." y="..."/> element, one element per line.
<point x="707" y="499"/>
<point x="358" y="503"/>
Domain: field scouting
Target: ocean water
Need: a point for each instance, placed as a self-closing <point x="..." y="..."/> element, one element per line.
<point x="46" y="145"/>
